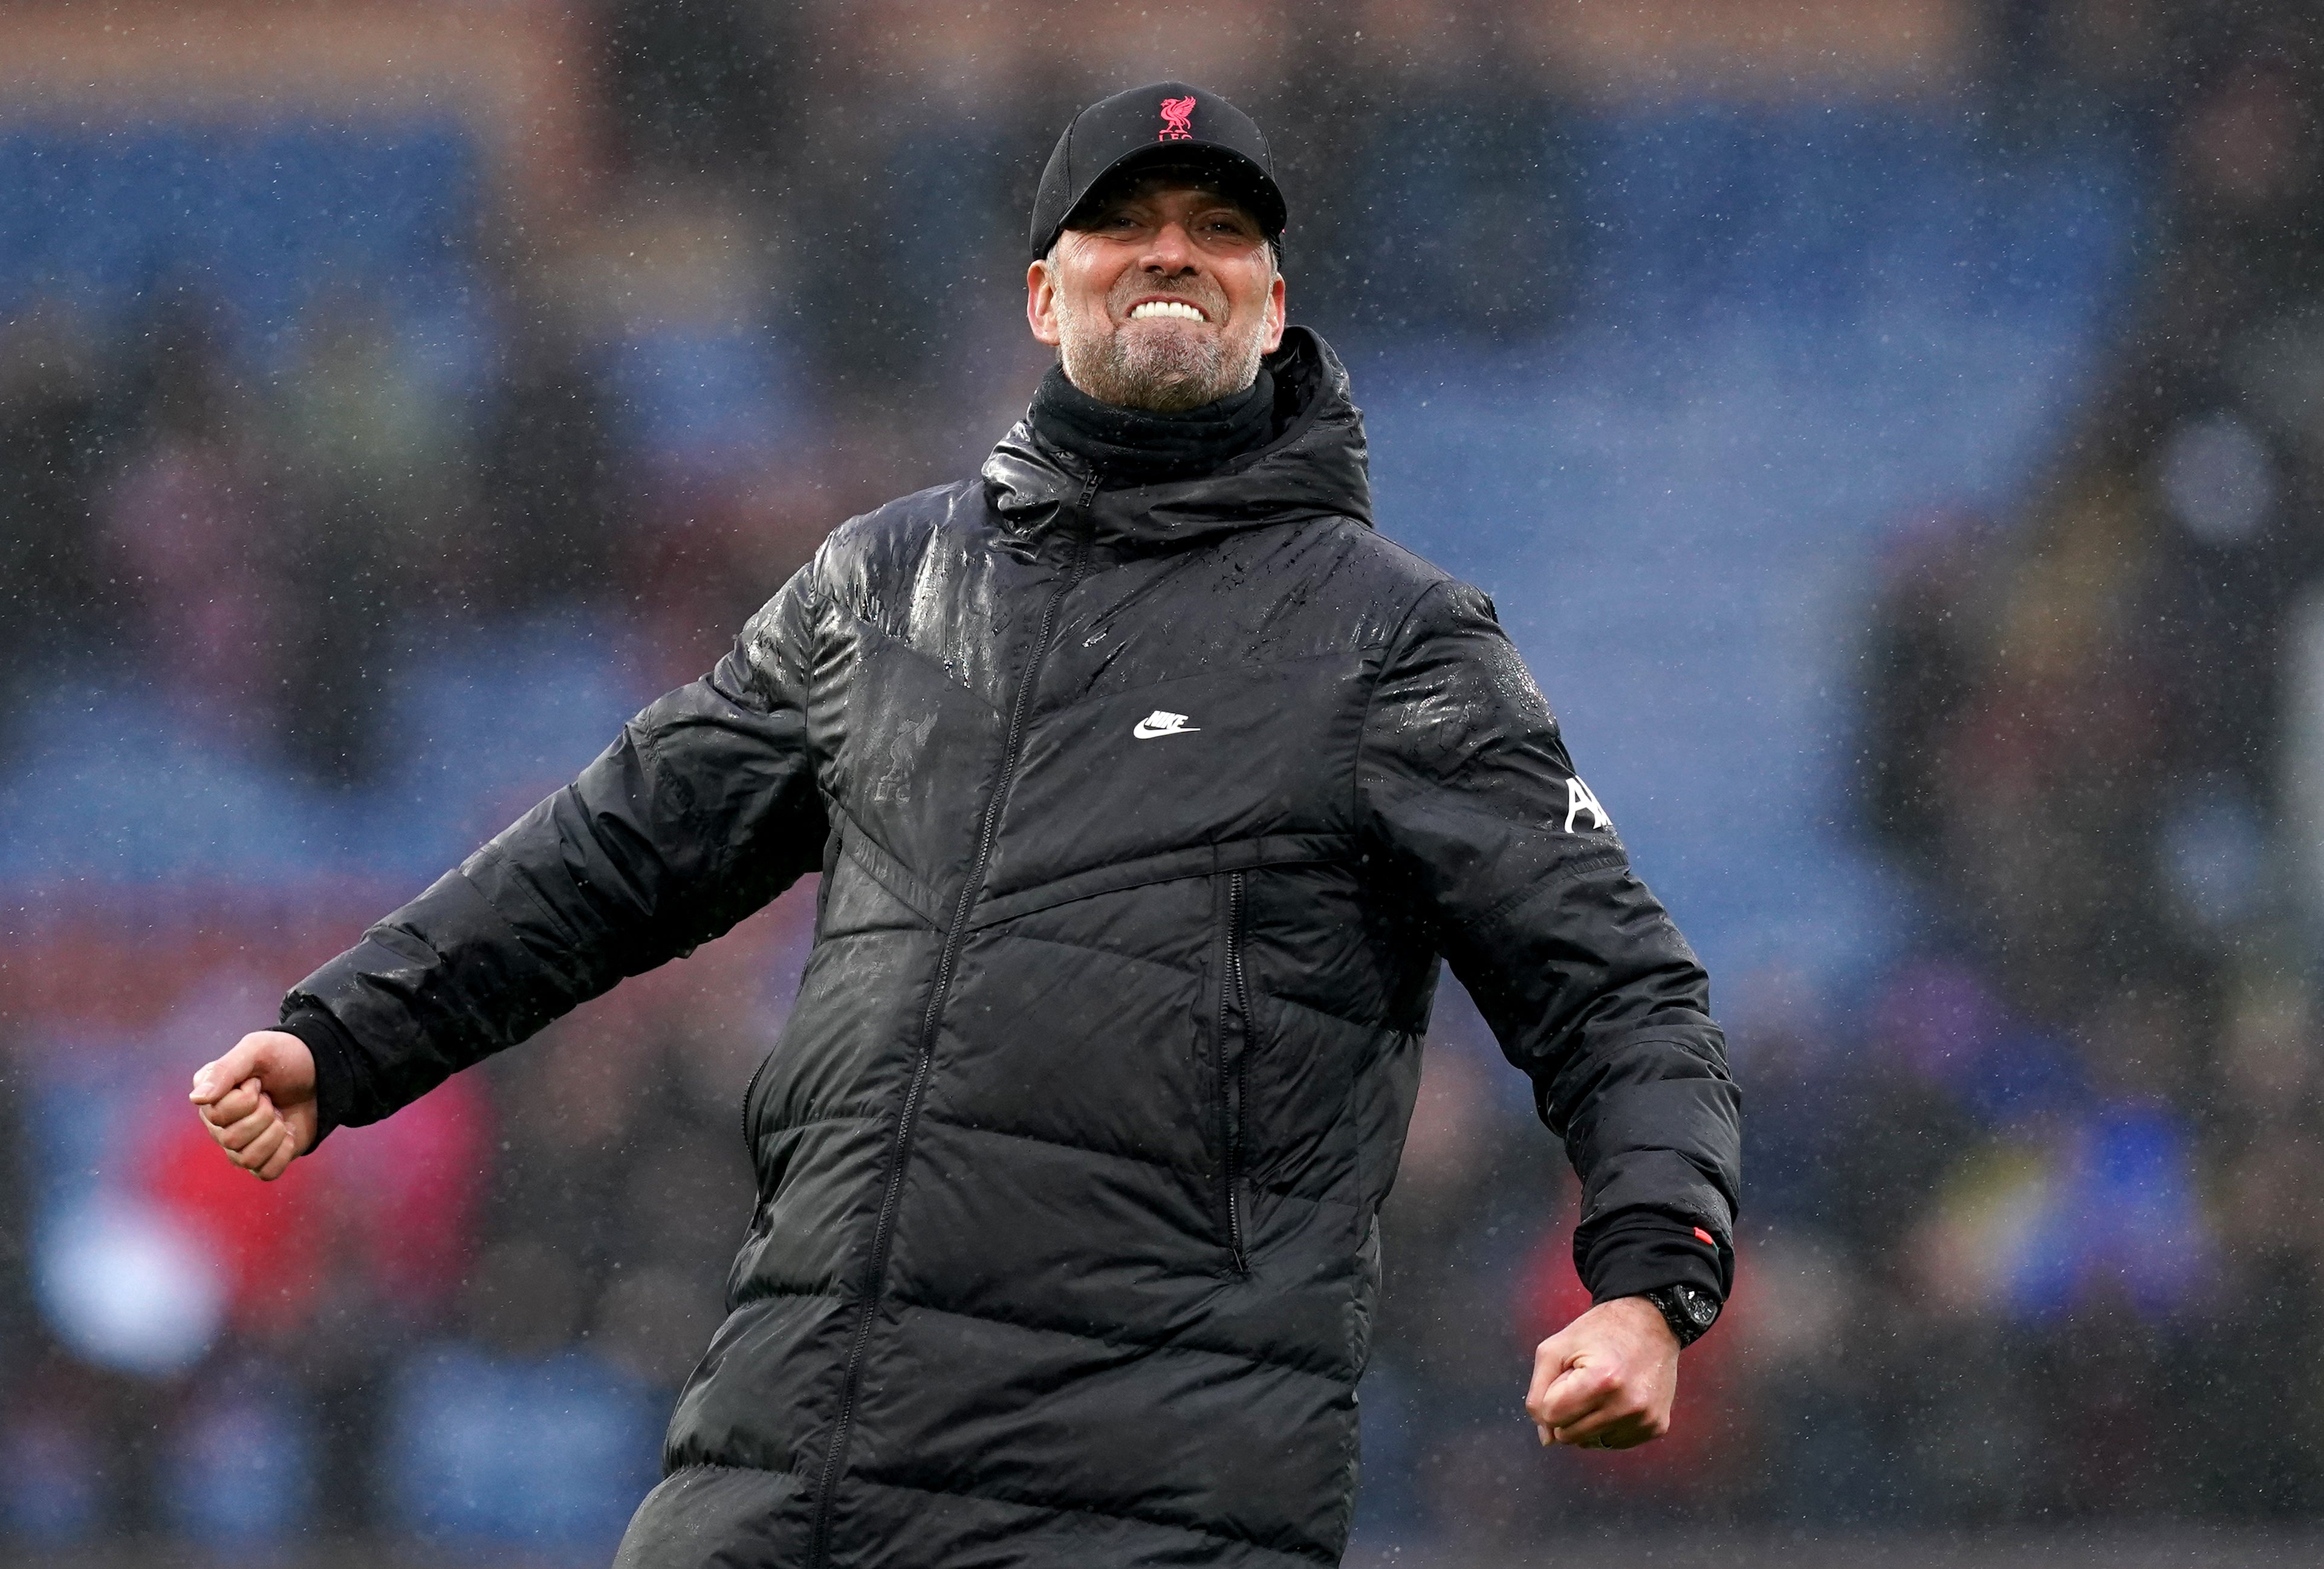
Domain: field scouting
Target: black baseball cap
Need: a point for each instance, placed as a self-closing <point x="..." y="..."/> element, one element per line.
<point x="1168" y="125"/>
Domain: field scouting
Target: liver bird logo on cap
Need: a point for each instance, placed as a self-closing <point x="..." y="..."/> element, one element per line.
<point x="1175" y="113"/>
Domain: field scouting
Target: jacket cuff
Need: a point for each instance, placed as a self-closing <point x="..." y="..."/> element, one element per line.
<point x="334" y="1050"/>
<point x="1639" y="1253"/>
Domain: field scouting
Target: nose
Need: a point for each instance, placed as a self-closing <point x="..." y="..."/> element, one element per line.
<point x="1170" y="250"/>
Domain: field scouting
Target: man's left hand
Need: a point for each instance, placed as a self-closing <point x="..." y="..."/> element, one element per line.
<point x="1607" y="1379"/>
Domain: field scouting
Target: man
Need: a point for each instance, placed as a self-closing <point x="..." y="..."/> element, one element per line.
<point x="1148" y="784"/>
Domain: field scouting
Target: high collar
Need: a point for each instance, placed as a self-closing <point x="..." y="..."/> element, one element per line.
<point x="1132" y="446"/>
<point x="1315" y="467"/>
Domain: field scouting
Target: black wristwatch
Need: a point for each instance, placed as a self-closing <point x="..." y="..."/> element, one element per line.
<point x="1689" y="1310"/>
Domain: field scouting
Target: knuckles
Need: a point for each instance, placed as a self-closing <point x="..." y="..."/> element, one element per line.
<point x="249" y="1148"/>
<point x="1587" y="1390"/>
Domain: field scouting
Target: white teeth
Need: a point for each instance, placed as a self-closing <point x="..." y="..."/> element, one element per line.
<point x="1154" y="308"/>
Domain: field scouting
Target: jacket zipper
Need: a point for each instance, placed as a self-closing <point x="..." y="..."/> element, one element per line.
<point x="1233" y="1080"/>
<point x="883" y="1230"/>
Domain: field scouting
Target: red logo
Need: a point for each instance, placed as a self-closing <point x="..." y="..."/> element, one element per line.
<point x="1175" y="113"/>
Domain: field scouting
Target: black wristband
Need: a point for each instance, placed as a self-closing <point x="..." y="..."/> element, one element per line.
<point x="334" y="1050"/>
<point x="1630" y="1254"/>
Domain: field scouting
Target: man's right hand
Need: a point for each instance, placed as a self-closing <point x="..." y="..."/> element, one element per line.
<point x="258" y="1101"/>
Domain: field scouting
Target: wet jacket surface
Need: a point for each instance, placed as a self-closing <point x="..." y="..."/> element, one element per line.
<point x="1144" y="817"/>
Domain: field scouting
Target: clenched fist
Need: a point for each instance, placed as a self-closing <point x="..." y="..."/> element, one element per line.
<point x="1607" y="1379"/>
<point x="258" y="1101"/>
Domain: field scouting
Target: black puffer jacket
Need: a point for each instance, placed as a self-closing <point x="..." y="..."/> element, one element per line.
<point x="1143" y="817"/>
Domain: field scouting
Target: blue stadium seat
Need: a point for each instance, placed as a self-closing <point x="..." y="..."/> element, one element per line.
<point x="262" y="219"/>
<point x="550" y="1456"/>
<point x="1799" y="326"/>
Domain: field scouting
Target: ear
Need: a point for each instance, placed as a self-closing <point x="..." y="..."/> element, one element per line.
<point x="1041" y="304"/>
<point x="1275" y="316"/>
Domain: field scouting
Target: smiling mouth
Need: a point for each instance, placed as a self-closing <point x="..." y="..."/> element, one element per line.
<point x="1167" y="309"/>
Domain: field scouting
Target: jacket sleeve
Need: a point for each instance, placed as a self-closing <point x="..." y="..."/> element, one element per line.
<point x="700" y="812"/>
<point x="1466" y="791"/>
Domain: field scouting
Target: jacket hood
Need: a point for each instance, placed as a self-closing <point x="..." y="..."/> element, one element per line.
<point x="1318" y="467"/>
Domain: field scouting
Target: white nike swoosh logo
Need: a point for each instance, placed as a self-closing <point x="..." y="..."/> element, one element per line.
<point x="1160" y="723"/>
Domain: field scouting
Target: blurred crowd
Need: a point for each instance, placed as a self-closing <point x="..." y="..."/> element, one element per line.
<point x="375" y="541"/>
<point x="2090" y="744"/>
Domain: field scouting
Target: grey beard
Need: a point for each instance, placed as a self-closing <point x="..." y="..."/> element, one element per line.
<point x="1165" y="375"/>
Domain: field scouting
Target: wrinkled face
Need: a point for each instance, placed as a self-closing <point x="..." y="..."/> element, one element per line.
<point x="1165" y="299"/>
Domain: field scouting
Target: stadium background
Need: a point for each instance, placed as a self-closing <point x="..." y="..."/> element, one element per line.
<point x="1893" y="429"/>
